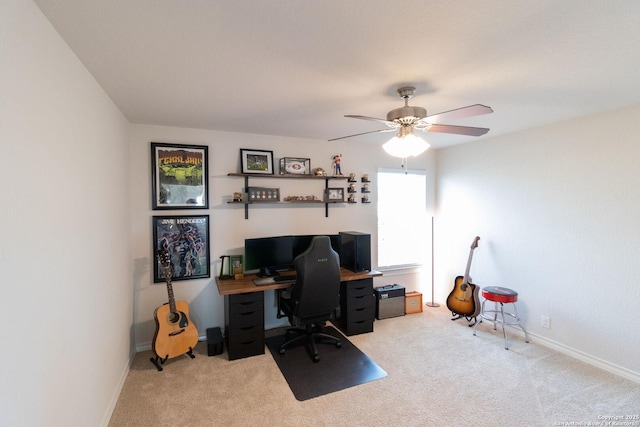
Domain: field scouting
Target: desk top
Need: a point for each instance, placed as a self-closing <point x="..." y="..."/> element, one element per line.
<point x="232" y="286"/>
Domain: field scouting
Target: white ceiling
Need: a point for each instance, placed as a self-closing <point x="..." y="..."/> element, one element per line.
<point x="296" y="67"/>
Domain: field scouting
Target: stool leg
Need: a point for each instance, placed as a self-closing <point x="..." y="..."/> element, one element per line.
<point x="526" y="334"/>
<point x="495" y="314"/>
<point x="504" y="333"/>
<point x="481" y="317"/>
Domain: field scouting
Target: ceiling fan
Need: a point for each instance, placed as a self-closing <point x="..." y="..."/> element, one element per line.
<point x="405" y="119"/>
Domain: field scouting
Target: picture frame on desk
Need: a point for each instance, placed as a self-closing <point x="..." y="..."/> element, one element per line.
<point x="256" y="161"/>
<point x="179" y="176"/>
<point x="186" y="239"/>
<point x="236" y="267"/>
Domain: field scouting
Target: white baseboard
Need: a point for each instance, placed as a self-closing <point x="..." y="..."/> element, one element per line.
<point x="587" y="358"/>
<point x="118" y="390"/>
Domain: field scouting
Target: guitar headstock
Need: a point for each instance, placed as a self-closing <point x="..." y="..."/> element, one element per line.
<point x="164" y="258"/>
<point x="475" y="242"/>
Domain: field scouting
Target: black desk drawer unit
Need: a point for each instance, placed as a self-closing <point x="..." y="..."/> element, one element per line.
<point x="244" y="324"/>
<point x="357" y="307"/>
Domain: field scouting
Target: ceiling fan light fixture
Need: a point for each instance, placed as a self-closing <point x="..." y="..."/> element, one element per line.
<point x="404" y="146"/>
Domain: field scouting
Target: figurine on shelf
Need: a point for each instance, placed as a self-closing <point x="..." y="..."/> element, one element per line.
<point x="365" y="178"/>
<point x="352" y="198"/>
<point x="319" y="172"/>
<point x="352" y="188"/>
<point x="237" y="196"/>
<point x="352" y="177"/>
<point x="365" y="198"/>
<point x="337" y="170"/>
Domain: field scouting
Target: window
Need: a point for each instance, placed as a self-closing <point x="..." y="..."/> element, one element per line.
<point x="403" y="226"/>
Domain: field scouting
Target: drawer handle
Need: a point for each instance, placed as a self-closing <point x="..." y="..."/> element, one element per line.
<point x="247" y="342"/>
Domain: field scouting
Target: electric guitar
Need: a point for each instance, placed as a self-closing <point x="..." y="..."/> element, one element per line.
<point x="175" y="333"/>
<point x="463" y="300"/>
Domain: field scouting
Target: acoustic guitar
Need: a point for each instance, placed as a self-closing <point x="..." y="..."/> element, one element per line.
<point x="175" y="333"/>
<point x="463" y="300"/>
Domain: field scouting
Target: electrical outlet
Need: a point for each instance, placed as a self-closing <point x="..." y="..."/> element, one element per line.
<point x="545" y="321"/>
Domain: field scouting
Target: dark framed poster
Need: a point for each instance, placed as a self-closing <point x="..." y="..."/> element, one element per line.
<point x="186" y="239"/>
<point x="179" y="176"/>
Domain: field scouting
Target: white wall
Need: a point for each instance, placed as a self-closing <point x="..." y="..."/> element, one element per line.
<point x="558" y="213"/>
<point x="228" y="227"/>
<point x="67" y="302"/>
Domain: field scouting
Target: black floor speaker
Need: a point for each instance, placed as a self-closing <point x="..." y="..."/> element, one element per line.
<point x="355" y="251"/>
<point x="214" y="341"/>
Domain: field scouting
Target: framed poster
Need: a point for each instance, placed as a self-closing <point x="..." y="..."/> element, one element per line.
<point x="179" y="176"/>
<point x="256" y="161"/>
<point x="186" y="239"/>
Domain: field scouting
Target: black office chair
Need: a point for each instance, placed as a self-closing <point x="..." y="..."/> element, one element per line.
<point x="314" y="298"/>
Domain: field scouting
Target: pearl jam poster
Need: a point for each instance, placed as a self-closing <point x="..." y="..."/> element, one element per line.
<point x="186" y="240"/>
<point x="179" y="176"/>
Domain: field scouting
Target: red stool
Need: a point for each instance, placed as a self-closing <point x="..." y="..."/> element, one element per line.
<point x="502" y="296"/>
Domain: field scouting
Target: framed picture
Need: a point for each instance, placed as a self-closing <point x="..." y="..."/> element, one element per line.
<point x="179" y="176"/>
<point x="256" y="161"/>
<point x="335" y="195"/>
<point x="186" y="239"/>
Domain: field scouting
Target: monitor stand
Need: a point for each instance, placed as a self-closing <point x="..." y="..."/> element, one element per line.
<point x="267" y="272"/>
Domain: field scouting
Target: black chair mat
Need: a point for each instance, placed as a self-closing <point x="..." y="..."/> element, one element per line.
<point x="338" y="368"/>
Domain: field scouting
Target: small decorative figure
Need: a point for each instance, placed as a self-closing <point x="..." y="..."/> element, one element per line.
<point x="237" y="196"/>
<point x="352" y="177"/>
<point x="337" y="170"/>
<point x="319" y="172"/>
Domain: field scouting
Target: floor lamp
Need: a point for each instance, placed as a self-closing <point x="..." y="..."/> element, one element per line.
<point x="432" y="304"/>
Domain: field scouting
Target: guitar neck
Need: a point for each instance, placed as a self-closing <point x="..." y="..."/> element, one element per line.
<point x="466" y="272"/>
<point x="172" y="300"/>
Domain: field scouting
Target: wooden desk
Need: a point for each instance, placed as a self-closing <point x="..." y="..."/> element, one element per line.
<point x="233" y="287"/>
<point x="244" y="310"/>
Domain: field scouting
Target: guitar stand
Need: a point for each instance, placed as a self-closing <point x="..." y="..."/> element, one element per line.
<point x="469" y="319"/>
<point x="157" y="359"/>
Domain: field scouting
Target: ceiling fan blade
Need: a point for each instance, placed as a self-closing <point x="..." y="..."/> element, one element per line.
<point x="459" y="113"/>
<point x="386" y="122"/>
<point x="459" y="130"/>
<point x="363" y="133"/>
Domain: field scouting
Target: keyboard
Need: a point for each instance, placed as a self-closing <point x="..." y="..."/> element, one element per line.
<point x="264" y="281"/>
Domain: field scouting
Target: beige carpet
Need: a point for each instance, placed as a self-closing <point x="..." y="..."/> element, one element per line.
<point x="439" y="374"/>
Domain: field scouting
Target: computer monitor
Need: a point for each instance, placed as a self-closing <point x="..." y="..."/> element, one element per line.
<point x="301" y="243"/>
<point x="268" y="255"/>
